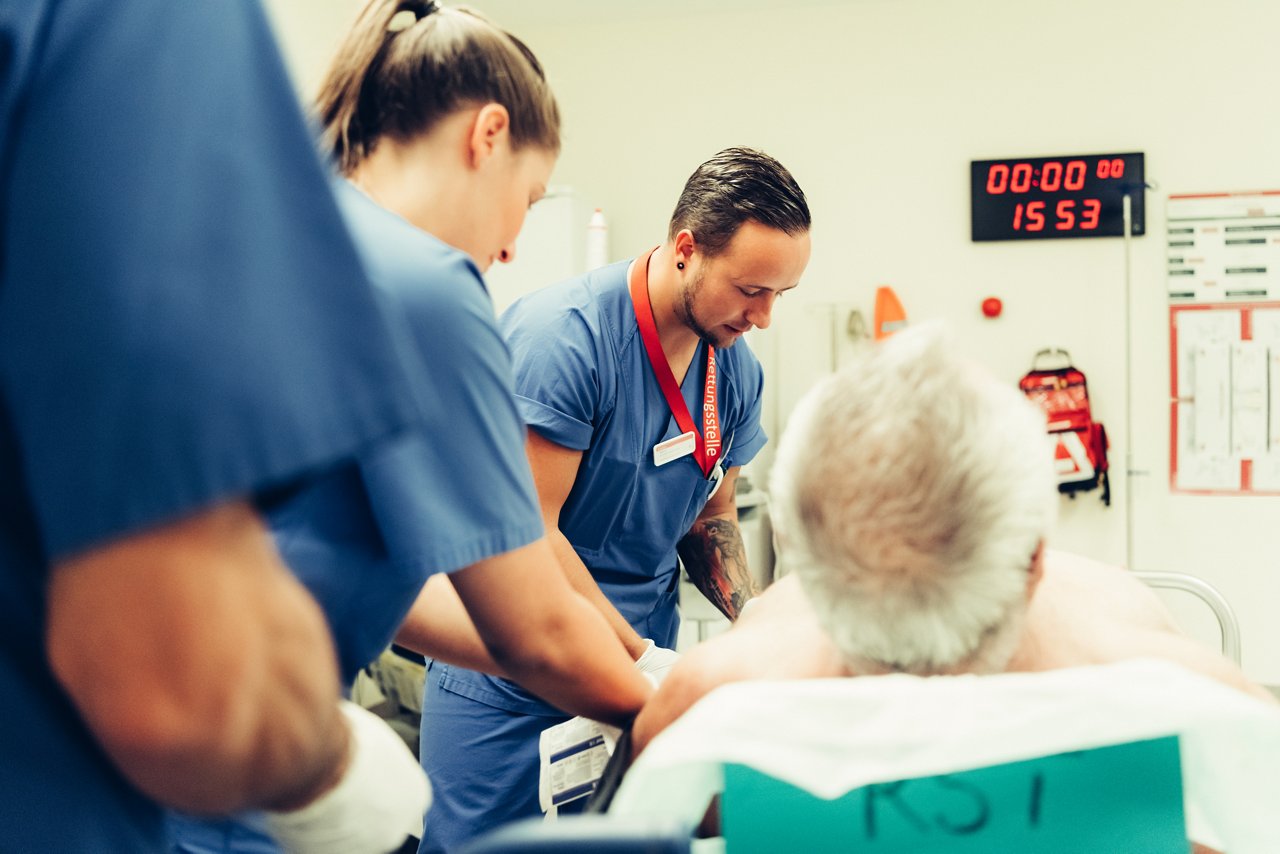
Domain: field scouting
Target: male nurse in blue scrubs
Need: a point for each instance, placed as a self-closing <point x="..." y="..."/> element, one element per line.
<point x="184" y="328"/>
<point x="642" y="407"/>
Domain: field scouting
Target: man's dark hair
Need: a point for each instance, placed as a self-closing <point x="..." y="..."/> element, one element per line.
<point x="734" y="186"/>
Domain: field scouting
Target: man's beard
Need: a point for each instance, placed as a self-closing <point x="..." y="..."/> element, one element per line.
<point x="684" y="310"/>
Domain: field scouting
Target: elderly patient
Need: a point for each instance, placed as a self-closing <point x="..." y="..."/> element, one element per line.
<point x="912" y="495"/>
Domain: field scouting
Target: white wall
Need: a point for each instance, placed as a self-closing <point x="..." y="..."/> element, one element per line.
<point x="309" y="32"/>
<point x="878" y="106"/>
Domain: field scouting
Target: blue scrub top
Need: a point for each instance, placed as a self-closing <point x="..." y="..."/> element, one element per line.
<point x="583" y="380"/>
<point x="365" y="538"/>
<point x="183" y="320"/>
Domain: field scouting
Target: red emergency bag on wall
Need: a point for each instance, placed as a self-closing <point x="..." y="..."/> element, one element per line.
<point x="1080" y="455"/>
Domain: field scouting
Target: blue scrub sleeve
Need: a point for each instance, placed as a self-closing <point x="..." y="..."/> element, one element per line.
<point x="182" y="318"/>
<point x="459" y="490"/>
<point x="563" y="380"/>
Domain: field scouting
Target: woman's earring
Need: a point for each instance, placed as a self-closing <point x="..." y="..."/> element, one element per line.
<point x="679" y="265"/>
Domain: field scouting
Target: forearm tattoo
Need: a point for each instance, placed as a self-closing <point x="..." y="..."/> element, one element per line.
<point x="716" y="561"/>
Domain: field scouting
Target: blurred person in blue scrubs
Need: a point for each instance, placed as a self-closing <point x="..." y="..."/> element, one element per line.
<point x="445" y="132"/>
<point x="643" y="405"/>
<point x="185" y="329"/>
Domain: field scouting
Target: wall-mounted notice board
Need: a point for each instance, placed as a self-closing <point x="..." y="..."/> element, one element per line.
<point x="1223" y="256"/>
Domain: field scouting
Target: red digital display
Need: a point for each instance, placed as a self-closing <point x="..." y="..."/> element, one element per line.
<point x="1044" y="197"/>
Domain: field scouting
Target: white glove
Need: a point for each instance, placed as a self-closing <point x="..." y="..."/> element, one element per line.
<point x="380" y="800"/>
<point x="656" y="661"/>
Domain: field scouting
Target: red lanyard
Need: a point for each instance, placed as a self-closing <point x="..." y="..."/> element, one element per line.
<point x="707" y="449"/>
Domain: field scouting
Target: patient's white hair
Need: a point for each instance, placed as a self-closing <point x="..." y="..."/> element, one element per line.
<point x="910" y="493"/>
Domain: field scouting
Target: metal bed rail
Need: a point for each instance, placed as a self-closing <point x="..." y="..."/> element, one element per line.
<point x="1207" y="593"/>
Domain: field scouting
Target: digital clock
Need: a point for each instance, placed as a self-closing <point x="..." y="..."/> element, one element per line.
<point x="1034" y="198"/>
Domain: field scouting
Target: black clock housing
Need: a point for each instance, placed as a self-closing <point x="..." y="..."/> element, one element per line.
<point x="1039" y="198"/>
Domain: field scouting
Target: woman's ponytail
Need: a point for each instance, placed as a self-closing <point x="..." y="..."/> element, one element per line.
<point x="406" y="64"/>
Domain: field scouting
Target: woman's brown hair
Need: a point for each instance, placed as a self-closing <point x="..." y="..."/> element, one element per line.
<point x="407" y="64"/>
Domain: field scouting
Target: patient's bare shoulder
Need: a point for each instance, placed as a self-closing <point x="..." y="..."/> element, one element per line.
<point x="782" y="639"/>
<point x="1085" y="612"/>
<point x="1079" y="587"/>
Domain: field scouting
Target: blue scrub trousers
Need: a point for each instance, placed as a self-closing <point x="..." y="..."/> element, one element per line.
<point x="477" y="735"/>
<point x="483" y="759"/>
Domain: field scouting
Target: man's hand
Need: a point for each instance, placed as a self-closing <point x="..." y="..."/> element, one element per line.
<point x="656" y="661"/>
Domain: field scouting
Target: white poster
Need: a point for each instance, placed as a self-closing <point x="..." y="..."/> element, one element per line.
<point x="1205" y="454"/>
<point x="1211" y="396"/>
<point x="1249" y="399"/>
<point x="1223" y="247"/>
<point x="1197" y="472"/>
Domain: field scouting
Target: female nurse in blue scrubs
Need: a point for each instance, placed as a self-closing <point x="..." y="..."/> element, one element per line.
<point x="445" y="131"/>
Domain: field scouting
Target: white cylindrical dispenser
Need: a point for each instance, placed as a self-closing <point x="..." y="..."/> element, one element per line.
<point x="597" y="240"/>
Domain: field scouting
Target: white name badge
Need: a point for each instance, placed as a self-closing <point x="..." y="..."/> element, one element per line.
<point x="673" y="449"/>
